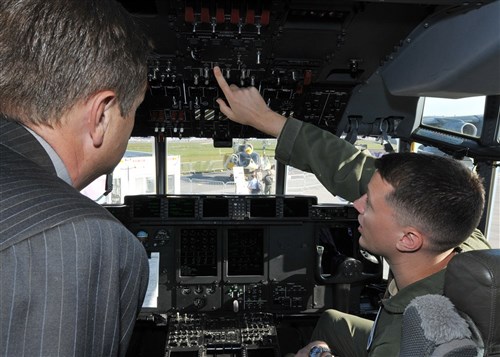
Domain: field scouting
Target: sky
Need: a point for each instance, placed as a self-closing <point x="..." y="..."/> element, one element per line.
<point x="438" y="107"/>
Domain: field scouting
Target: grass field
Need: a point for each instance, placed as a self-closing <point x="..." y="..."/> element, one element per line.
<point x="193" y="150"/>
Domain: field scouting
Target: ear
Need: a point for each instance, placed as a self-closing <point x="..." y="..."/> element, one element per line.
<point x="411" y="241"/>
<point x="100" y="115"/>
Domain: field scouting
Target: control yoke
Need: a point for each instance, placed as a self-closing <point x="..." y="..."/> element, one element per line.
<point x="348" y="271"/>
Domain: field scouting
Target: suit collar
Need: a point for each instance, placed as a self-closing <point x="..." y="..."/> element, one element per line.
<point x="17" y="138"/>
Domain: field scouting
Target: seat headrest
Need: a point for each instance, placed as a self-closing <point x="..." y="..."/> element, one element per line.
<point x="432" y="327"/>
<point x="472" y="283"/>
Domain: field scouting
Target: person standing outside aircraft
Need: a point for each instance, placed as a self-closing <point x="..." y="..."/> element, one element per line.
<point x="354" y="176"/>
<point x="254" y="185"/>
<point x="73" y="278"/>
<point x="268" y="180"/>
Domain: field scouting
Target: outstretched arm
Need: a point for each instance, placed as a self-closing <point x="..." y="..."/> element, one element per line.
<point x="246" y="106"/>
<point x="339" y="166"/>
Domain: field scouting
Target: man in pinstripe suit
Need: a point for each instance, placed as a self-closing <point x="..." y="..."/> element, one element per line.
<point x="72" y="278"/>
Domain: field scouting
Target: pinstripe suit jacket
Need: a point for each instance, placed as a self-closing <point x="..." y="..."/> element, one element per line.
<point x="72" y="278"/>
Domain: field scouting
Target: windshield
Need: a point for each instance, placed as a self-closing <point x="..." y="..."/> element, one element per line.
<point x="195" y="166"/>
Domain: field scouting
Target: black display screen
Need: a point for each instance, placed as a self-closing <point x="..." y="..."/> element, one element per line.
<point x="146" y="207"/>
<point x="181" y="207"/>
<point x="263" y="207"/>
<point x="245" y="252"/>
<point x="198" y="255"/>
<point x="215" y="207"/>
<point x="296" y="207"/>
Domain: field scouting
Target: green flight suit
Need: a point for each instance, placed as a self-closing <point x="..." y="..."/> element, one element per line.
<point x="345" y="171"/>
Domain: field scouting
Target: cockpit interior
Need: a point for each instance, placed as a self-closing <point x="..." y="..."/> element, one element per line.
<point x="248" y="275"/>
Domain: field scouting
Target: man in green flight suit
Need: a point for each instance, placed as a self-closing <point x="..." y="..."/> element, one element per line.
<point x="402" y="200"/>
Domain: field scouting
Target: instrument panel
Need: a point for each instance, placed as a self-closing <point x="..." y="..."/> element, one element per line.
<point x="307" y="59"/>
<point x="241" y="253"/>
<point x="225" y="270"/>
<point x="239" y="335"/>
<point x="223" y="207"/>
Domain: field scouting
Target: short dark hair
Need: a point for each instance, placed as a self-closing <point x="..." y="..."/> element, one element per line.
<point x="436" y="194"/>
<point x="58" y="52"/>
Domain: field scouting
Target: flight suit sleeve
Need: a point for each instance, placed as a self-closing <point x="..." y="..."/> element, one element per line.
<point x="476" y="241"/>
<point x="342" y="168"/>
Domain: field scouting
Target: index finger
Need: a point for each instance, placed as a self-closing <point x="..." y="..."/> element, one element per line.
<point x="221" y="81"/>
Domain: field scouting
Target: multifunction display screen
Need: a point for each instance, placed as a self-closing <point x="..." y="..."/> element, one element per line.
<point x="215" y="207"/>
<point x="245" y="252"/>
<point x="296" y="207"/>
<point x="148" y="207"/>
<point x="263" y="208"/>
<point x="181" y="207"/>
<point x="198" y="252"/>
